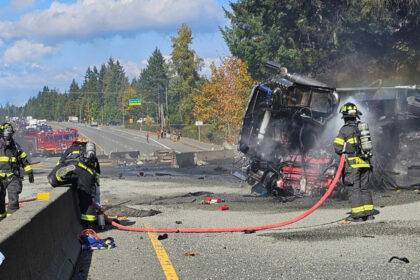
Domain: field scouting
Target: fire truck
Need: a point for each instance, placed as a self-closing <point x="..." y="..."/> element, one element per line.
<point x="50" y="142"/>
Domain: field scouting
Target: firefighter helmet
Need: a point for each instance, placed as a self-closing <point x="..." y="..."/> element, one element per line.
<point x="350" y="110"/>
<point x="7" y="131"/>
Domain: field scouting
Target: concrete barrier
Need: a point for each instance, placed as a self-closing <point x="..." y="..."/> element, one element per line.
<point x="40" y="241"/>
<point x="185" y="160"/>
<point x="192" y="158"/>
<point x="129" y="156"/>
<point x="209" y="156"/>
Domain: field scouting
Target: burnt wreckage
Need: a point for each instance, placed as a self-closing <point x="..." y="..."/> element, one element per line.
<point x="291" y="120"/>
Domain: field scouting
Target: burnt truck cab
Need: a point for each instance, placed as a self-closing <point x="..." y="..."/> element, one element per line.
<point x="282" y="121"/>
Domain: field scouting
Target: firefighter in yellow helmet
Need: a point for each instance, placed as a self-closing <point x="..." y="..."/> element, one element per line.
<point x="12" y="160"/>
<point x="354" y="140"/>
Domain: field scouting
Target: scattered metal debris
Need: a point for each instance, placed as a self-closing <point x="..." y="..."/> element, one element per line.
<point x="212" y="200"/>
<point x="224" y="207"/>
<point x="190" y="254"/>
<point x="403" y="259"/>
<point x="239" y="175"/>
<point x="163" y="236"/>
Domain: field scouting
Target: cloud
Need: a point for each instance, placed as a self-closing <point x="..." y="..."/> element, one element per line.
<point x="22" y="4"/>
<point x="31" y="77"/>
<point x="95" y="18"/>
<point x="25" y="50"/>
<point x="132" y="69"/>
<point x="205" y="69"/>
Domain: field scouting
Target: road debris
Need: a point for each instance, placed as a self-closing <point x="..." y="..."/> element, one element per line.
<point x="130" y="212"/>
<point x="344" y="222"/>
<point x="224" y="207"/>
<point x="212" y="200"/>
<point x="239" y="175"/>
<point x="178" y="222"/>
<point x="2" y="257"/>
<point x="190" y="254"/>
<point x="403" y="259"/>
<point x="163" y="236"/>
<point x="368" y="236"/>
<point x="249" y="231"/>
<point x="90" y="240"/>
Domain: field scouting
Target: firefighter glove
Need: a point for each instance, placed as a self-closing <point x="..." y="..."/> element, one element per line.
<point x="31" y="177"/>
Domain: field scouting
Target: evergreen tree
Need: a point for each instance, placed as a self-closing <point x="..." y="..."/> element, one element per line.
<point x="153" y="82"/>
<point x="185" y="80"/>
<point x="351" y="40"/>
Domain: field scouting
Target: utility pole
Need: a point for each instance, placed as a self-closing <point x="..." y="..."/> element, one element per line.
<point x="80" y="112"/>
<point x="166" y="97"/>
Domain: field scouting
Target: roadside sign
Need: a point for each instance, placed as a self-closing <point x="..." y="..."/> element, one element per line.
<point x="198" y="123"/>
<point x="134" y="102"/>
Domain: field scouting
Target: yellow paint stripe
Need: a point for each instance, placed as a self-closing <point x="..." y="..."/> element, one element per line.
<point x="163" y="257"/>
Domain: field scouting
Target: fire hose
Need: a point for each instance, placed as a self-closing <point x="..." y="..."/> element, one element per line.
<point x="25" y="200"/>
<point x="245" y="228"/>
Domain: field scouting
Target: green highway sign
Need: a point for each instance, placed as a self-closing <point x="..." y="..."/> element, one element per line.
<point x="134" y="102"/>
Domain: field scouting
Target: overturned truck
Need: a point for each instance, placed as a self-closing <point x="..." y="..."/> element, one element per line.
<point x="291" y="120"/>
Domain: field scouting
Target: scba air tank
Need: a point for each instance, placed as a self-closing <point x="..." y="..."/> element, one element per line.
<point x="365" y="139"/>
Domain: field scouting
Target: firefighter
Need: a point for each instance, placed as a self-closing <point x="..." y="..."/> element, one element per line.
<point x="79" y="167"/>
<point x="86" y="181"/>
<point x="352" y="141"/>
<point x="12" y="160"/>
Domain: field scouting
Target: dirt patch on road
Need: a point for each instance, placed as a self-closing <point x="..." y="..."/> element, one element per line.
<point x="337" y="232"/>
<point x="131" y="212"/>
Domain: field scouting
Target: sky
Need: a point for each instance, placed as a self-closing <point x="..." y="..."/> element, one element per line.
<point x="44" y="42"/>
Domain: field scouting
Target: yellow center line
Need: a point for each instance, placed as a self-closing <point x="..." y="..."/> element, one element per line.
<point x="163" y="257"/>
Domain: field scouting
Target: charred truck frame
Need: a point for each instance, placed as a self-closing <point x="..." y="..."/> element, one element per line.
<point x="286" y="133"/>
<point x="281" y="125"/>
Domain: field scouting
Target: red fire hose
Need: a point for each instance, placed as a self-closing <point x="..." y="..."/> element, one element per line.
<point x="25" y="200"/>
<point x="245" y="228"/>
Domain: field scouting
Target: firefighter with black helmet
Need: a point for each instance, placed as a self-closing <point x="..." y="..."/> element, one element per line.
<point x="354" y="140"/>
<point x="12" y="160"/>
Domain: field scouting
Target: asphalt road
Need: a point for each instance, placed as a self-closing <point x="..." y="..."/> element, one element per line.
<point x="118" y="139"/>
<point x="317" y="247"/>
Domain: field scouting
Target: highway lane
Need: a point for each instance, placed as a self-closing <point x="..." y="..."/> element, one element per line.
<point x="117" y="139"/>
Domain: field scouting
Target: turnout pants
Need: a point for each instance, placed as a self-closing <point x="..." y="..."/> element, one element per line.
<point x="13" y="185"/>
<point x="357" y="182"/>
<point x="85" y="205"/>
<point x="86" y="191"/>
<point x="3" y="213"/>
